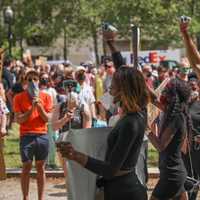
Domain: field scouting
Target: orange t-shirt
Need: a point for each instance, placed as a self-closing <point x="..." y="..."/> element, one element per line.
<point x="35" y="124"/>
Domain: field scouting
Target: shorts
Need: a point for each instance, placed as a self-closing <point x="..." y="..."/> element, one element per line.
<point x="34" y="146"/>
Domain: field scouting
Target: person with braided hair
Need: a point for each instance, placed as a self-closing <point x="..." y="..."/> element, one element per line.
<point x="192" y="156"/>
<point x="169" y="140"/>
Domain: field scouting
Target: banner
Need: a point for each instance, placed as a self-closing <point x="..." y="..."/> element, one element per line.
<point x="153" y="56"/>
<point x="154" y="111"/>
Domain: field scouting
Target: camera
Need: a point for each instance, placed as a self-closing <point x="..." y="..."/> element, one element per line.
<point x="69" y="83"/>
<point x="185" y="19"/>
<point x="108" y="27"/>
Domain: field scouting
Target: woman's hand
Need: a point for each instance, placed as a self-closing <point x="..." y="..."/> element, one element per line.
<point x="184" y="27"/>
<point x="3" y="134"/>
<point x="197" y="139"/>
<point x="67" y="150"/>
<point x="68" y="116"/>
<point x="72" y="105"/>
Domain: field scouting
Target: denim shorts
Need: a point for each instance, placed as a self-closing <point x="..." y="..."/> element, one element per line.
<point x="34" y="146"/>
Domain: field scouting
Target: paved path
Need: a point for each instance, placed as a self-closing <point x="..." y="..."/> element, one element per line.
<point x="10" y="189"/>
<point x="55" y="189"/>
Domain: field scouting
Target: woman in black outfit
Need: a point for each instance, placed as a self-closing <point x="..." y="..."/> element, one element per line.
<point x="118" y="170"/>
<point x="191" y="158"/>
<point x="169" y="141"/>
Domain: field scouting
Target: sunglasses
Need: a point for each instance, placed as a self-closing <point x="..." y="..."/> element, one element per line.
<point x="108" y="67"/>
<point x="32" y="79"/>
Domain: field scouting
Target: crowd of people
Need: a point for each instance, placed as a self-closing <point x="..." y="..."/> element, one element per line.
<point x="47" y="100"/>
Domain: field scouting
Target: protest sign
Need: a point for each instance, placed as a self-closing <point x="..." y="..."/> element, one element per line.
<point x="154" y="111"/>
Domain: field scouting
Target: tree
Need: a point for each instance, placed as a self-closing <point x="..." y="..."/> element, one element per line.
<point x="44" y="20"/>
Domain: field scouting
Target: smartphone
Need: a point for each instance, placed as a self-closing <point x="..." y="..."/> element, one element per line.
<point x="69" y="83"/>
<point x="108" y="27"/>
<point x="185" y="19"/>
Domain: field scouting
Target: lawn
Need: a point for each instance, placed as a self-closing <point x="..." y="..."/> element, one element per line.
<point x="12" y="158"/>
<point x="11" y="148"/>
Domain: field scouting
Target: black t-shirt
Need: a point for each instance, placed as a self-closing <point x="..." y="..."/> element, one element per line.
<point x="170" y="159"/>
<point x="123" y="149"/>
<point x="17" y="88"/>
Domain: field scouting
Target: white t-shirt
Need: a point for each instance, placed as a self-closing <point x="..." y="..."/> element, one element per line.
<point x="86" y="96"/>
<point x="52" y="93"/>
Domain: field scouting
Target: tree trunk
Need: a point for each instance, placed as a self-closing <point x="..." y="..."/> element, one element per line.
<point x="21" y="48"/>
<point x="95" y="40"/>
<point x="104" y="48"/>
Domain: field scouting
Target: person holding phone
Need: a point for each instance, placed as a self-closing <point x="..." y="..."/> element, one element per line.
<point x="192" y="51"/>
<point x="32" y="108"/>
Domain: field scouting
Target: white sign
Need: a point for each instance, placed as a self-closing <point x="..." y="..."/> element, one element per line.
<point x="153" y="56"/>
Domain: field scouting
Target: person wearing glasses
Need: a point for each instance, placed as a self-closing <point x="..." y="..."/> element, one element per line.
<point x="32" y="108"/>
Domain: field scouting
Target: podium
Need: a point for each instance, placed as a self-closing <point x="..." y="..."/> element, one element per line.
<point x="92" y="142"/>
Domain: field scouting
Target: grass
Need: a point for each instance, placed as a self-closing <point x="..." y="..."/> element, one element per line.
<point x="152" y="156"/>
<point x="13" y="160"/>
<point x="11" y="148"/>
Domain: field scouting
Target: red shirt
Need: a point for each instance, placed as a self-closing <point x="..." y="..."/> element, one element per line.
<point x="35" y="124"/>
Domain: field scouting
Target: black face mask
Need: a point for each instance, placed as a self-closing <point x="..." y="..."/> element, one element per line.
<point x="81" y="77"/>
<point x="149" y="74"/>
<point x="44" y="81"/>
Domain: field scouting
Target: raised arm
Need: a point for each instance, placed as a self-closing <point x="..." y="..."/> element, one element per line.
<point x="192" y="52"/>
<point x="109" y="37"/>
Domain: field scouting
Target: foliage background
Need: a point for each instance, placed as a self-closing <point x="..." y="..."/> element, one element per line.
<point x="81" y="19"/>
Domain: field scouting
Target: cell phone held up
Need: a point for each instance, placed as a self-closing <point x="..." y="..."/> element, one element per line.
<point x="185" y="19"/>
<point x="69" y="84"/>
<point x="107" y="27"/>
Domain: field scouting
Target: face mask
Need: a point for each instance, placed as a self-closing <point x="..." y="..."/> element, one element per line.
<point x="149" y="74"/>
<point x="194" y="94"/>
<point x="33" y="89"/>
<point x="44" y="81"/>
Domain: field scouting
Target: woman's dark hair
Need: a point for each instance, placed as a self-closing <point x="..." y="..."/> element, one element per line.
<point x="21" y="76"/>
<point x="32" y="73"/>
<point x="178" y="94"/>
<point x="130" y="84"/>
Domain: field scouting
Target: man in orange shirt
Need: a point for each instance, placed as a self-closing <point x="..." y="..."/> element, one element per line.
<point x="32" y="108"/>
